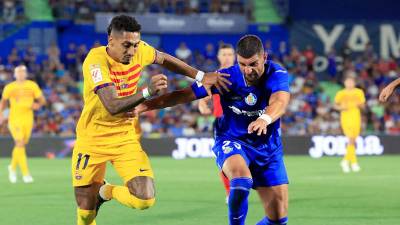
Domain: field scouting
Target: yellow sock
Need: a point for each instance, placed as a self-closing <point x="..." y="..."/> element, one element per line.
<point x="351" y="154"/>
<point x="123" y="196"/>
<point x="86" y="217"/>
<point x="22" y="160"/>
<point x="14" y="158"/>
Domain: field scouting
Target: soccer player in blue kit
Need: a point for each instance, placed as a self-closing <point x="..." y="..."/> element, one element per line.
<point x="248" y="145"/>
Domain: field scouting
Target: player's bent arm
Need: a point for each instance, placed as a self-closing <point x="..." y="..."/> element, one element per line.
<point x="114" y="105"/>
<point x="388" y="90"/>
<point x="278" y="103"/>
<point x="203" y="106"/>
<point x="41" y="101"/>
<point x="277" y="107"/>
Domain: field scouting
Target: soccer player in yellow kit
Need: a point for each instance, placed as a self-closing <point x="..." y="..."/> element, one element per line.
<point x="107" y="132"/>
<point x="24" y="96"/>
<point x="349" y="101"/>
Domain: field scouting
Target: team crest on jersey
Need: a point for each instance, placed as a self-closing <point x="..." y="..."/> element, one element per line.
<point x="95" y="71"/>
<point x="78" y="175"/>
<point x="227" y="149"/>
<point x="251" y="99"/>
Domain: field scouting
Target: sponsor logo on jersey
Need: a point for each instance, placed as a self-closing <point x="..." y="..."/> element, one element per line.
<point x="238" y="111"/>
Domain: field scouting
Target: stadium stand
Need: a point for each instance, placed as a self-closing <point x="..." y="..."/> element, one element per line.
<point x="310" y="112"/>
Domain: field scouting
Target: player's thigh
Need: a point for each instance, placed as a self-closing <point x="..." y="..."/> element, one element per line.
<point x="351" y="130"/>
<point x="132" y="161"/>
<point x="232" y="158"/>
<point x="17" y="132"/>
<point x="27" y="129"/>
<point x="133" y="166"/>
<point x="274" y="200"/>
<point x="88" y="166"/>
<point x="270" y="173"/>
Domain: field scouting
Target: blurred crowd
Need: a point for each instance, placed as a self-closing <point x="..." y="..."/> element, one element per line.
<point x="84" y="10"/>
<point x="310" y="111"/>
<point x="11" y="11"/>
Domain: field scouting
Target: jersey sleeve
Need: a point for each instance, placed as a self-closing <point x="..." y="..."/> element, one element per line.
<point x="6" y="93"/>
<point x="96" y="72"/>
<point x="37" y="92"/>
<point x="279" y="81"/>
<point x="148" y="54"/>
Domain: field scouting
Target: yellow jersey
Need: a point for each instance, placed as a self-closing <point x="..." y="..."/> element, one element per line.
<point x="350" y="99"/>
<point x="96" y="126"/>
<point x="21" y="96"/>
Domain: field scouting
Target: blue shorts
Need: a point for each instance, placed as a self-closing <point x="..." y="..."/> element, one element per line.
<point x="267" y="168"/>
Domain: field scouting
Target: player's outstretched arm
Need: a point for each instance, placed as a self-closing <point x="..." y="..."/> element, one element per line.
<point x="388" y="90"/>
<point x="189" y="94"/>
<point x="178" y="66"/>
<point x="278" y="103"/>
<point x="167" y="100"/>
<point x="114" y="105"/>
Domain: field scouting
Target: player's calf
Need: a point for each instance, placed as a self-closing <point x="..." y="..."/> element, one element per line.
<point x="138" y="193"/>
<point x="86" y="199"/>
<point x="238" y="199"/>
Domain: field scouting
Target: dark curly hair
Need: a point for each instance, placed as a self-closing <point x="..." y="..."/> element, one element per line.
<point x="123" y="23"/>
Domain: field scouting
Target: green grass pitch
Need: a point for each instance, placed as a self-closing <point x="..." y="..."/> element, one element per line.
<point x="189" y="193"/>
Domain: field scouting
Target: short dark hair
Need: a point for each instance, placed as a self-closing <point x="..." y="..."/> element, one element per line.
<point x="123" y="23"/>
<point x="225" y="45"/>
<point x="249" y="45"/>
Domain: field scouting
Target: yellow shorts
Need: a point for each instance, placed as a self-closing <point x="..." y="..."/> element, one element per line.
<point x="89" y="163"/>
<point x="21" y="131"/>
<point x="351" y="131"/>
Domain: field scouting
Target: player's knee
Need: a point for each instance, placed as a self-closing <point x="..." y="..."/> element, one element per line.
<point x="239" y="172"/>
<point x="142" y="192"/>
<point x="141" y="204"/>
<point x="20" y="143"/>
<point x="142" y="187"/>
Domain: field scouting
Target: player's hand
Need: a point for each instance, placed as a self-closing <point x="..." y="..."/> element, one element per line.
<point x="158" y="83"/>
<point x="130" y="115"/>
<point x="259" y="126"/>
<point x="35" y="106"/>
<point x="386" y="93"/>
<point x="219" y="80"/>
<point x="139" y="109"/>
<point x="203" y="106"/>
<point x="1" y="118"/>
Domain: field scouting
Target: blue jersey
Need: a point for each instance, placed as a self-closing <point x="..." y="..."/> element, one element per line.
<point x="244" y="104"/>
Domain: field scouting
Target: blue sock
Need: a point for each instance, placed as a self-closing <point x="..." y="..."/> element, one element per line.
<point x="266" y="221"/>
<point x="238" y="204"/>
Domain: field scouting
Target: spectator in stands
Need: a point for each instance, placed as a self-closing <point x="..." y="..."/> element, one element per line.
<point x="53" y="53"/>
<point x="9" y="12"/>
<point x="183" y="52"/>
